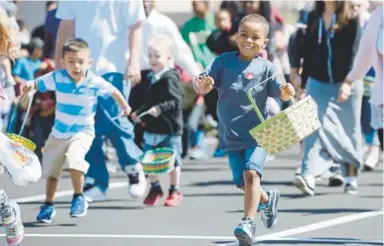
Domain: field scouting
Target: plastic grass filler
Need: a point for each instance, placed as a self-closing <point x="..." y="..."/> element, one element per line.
<point x="288" y="127"/>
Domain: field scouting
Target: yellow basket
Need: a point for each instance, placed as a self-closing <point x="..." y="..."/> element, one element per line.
<point x="160" y="160"/>
<point x="288" y="127"/>
<point x="22" y="140"/>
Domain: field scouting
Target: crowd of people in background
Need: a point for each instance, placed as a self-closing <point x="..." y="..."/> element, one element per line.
<point x="333" y="53"/>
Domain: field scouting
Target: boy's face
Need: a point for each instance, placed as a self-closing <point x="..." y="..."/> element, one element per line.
<point x="159" y="58"/>
<point x="251" y="38"/>
<point x="223" y="21"/>
<point x="77" y="63"/>
<point x="37" y="53"/>
<point x="199" y="8"/>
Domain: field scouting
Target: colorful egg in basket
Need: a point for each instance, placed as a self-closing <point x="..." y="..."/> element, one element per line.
<point x="161" y="160"/>
<point x="22" y="140"/>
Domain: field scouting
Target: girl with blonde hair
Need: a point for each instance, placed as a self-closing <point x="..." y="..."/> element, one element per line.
<point x="9" y="211"/>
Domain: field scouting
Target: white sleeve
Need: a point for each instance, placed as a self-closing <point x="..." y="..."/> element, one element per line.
<point x="133" y="12"/>
<point x="65" y="11"/>
<point x="181" y="51"/>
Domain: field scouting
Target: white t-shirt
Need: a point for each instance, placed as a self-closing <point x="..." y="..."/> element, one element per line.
<point x="105" y="26"/>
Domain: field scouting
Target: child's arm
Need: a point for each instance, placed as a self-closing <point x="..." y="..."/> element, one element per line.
<point x="205" y="82"/>
<point x="119" y="98"/>
<point x="106" y="89"/>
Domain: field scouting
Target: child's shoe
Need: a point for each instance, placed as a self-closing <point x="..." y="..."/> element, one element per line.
<point x="351" y="188"/>
<point x="46" y="214"/>
<point x="154" y="195"/>
<point x="14" y="229"/>
<point x="269" y="213"/>
<point x="245" y="232"/>
<point x="174" y="199"/>
<point x="79" y="207"/>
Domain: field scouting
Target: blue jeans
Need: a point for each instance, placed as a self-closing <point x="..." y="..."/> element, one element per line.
<point x="252" y="158"/>
<point x="173" y="142"/>
<point x="119" y="132"/>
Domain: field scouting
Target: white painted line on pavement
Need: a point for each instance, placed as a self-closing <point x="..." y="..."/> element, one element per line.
<point x="187" y="237"/>
<point x="315" y="226"/>
<point x="63" y="193"/>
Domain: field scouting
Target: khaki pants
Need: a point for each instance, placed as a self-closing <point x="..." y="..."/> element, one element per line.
<point x="64" y="154"/>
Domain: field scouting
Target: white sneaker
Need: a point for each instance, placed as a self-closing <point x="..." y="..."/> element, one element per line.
<point x="95" y="194"/>
<point x="198" y="154"/>
<point x="372" y="158"/>
<point x="14" y="229"/>
<point x="136" y="179"/>
<point x="306" y="184"/>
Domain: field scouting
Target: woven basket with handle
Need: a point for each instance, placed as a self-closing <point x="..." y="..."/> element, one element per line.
<point x="288" y="127"/>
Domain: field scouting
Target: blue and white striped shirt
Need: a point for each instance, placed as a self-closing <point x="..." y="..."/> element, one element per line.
<point x="76" y="104"/>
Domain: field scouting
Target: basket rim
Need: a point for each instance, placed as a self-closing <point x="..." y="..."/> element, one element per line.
<point x="161" y="150"/>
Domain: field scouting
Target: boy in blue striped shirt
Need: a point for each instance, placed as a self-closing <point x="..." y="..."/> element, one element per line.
<point x="77" y="90"/>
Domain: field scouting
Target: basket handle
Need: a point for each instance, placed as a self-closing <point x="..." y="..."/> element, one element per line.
<point x="254" y="105"/>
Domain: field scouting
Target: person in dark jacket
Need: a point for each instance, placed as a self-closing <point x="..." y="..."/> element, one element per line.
<point x="164" y="122"/>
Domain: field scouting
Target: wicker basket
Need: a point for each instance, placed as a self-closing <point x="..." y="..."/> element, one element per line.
<point x="22" y="140"/>
<point x="160" y="160"/>
<point x="288" y="127"/>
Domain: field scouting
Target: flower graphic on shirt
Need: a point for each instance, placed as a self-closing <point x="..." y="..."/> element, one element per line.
<point x="249" y="76"/>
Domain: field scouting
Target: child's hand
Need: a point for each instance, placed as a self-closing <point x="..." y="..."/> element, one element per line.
<point x="287" y="91"/>
<point x="203" y="84"/>
<point x="29" y="86"/>
<point x="127" y="110"/>
<point x="154" y="112"/>
<point x="134" y="116"/>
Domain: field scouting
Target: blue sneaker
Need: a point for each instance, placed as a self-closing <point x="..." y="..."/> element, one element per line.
<point x="46" y="214"/>
<point x="245" y="232"/>
<point x="219" y="153"/>
<point x="79" y="207"/>
<point x="269" y="213"/>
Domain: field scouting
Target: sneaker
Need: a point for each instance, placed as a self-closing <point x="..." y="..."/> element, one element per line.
<point x="372" y="158"/>
<point x="269" y="214"/>
<point x="79" y="207"/>
<point x="336" y="181"/>
<point x="219" y="153"/>
<point x="245" y="232"/>
<point x="174" y="199"/>
<point x="46" y="214"/>
<point x="305" y="184"/>
<point x="93" y="193"/>
<point x="13" y="226"/>
<point x="351" y="189"/>
<point x="154" y="195"/>
<point x="136" y="179"/>
<point x="197" y="154"/>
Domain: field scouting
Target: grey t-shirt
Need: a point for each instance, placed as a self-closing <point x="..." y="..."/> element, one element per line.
<point x="233" y="78"/>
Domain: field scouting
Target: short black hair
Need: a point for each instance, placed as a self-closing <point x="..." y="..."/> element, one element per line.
<point x="74" y="45"/>
<point x="255" y="18"/>
<point x="35" y="43"/>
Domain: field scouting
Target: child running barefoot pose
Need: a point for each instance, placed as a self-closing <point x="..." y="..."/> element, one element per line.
<point x="233" y="74"/>
<point x="165" y="123"/>
<point x="9" y="211"/>
<point x="76" y="91"/>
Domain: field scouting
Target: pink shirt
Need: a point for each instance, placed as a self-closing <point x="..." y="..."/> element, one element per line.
<point x="368" y="56"/>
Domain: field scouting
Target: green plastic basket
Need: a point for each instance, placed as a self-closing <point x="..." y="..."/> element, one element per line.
<point x="160" y="160"/>
<point x="288" y="127"/>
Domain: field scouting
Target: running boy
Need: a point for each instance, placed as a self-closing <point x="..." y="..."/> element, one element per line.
<point x="233" y="74"/>
<point x="76" y="91"/>
<point x="165" y="123"/>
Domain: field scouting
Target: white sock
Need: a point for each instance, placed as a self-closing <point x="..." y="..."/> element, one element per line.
<point x="351" y="180"/>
